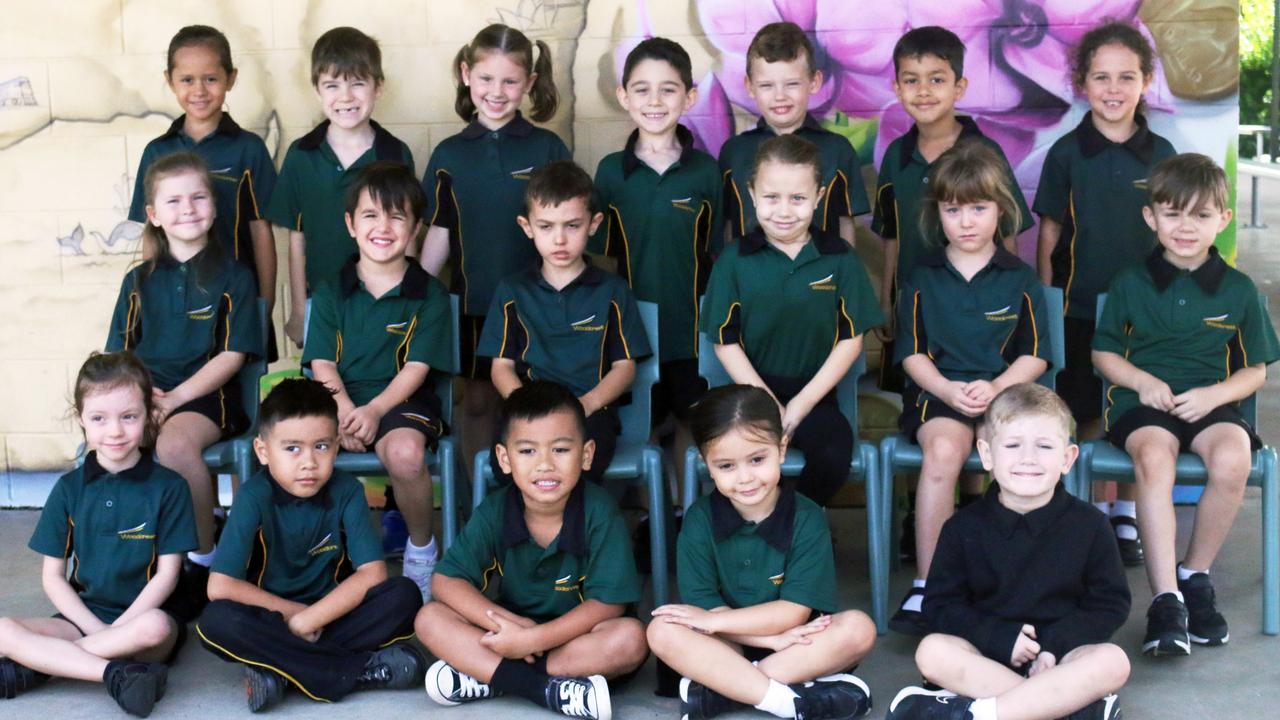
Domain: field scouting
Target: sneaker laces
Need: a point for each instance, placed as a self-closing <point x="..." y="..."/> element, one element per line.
<point x="1166" y="610"/>
<point x="379" y="674"/>
<point x="470" y="688"/>
<point x="573" y="698"/>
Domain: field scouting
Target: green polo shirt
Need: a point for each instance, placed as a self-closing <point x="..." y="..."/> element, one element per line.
<point x="589" y="560"/>
<point x="182" y="314"/>
<point x="243" y="179"/>
<point x="903" y="186"/>
<point x="570" y="336"/>
<point x="114" y="527"/>
<point x="1190" y="329"/>
<point x="845" y="196"/>
<point x="788" y="314"/>
<point x="1096" y="189"/>
<point x="297" y="548"/>
<point x="371" y="338"/>
<point x="725" y="561"/>
<point x="663" y="230"/>
<point x="475" y="183"/>
<point x="971" y="329"/>
<point x="311" y="195"/>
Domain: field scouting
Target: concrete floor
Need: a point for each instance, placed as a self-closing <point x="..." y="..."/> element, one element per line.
<point x="1235" y="681"/>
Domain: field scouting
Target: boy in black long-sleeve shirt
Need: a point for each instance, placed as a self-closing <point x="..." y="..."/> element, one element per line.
<point x="1026" y="586"/>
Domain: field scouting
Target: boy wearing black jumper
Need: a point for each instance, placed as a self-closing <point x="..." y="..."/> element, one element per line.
<point x="1026" y="586"/>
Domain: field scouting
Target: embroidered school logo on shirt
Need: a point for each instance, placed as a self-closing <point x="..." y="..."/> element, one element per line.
<point x="777" y="579"/>
<point x="1140" y="184"/>
<point x="1219" y="322"/>
<point x="522" y="174"/>
<point x="683" y="204"/>
<point x="136" y="533"/>
<point x="397" y="328"/>
<point x="824" y="283"/>
<point x="204" y="313"/>
<point x="562" y="585"/>
<point x="1001" y="315"/>
<point x="323" y="546"/>
<point x="584" y="325"/>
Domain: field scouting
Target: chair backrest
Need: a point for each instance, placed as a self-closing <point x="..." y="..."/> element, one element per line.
<point x="1057" y="337"/>
<point x="250" y="375"/>
<point x="637" y="415"/>
<point x="1248" y="406"/>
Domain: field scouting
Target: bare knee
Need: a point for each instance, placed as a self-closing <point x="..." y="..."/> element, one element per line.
<point x="1154" y="459"/>
<point x="1108" y="665"/>
<point x="626" y="643"/>
<point x="664" y="638"/>
<point x="947" y="451"/>
<point x="856" y="632"/>
<point x="9" y="629"/>
<point x="403" y="458"/>
<point x="1229" y="467"/>
<point x="152" y="628"/>
<point x="430" y="620"/>
<point x="175" y="450"/>
<point x="934" y="656"/>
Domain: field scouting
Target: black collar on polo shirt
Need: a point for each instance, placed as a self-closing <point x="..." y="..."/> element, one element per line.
<point x="1037" y="521"/>
<point x="1142" y="143"/>
<point x="775" y="529"/>
<point x="280" y="496"/>
<point x="412" y="285"/>
<point x="590" y="275"/>
<point x="810" y="123"/>
<point x="1002" y="259"/>
<point x="226" y="126"/>
<point x="141" y="470"/>
<point x="630" y="161"/>
<point x="825" y="242"/>
<point x="968" y="129"/>
<point x="573" y="524"/>
<point x="518" y="127"/>
<point x="385" y="145"/>
<point x="1208" y="276"/>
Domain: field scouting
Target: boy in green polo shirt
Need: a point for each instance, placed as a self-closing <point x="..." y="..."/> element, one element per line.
<point x="782" y="73"/>
<point x="376" y="331"/>
<point x="559" y="551"/>
<point x="566" y="320"/>
<point x="346" y="71"/>
<point x="662" y="205"/>
<point x="1183" y="339"/>
<point x="300" y="593"/>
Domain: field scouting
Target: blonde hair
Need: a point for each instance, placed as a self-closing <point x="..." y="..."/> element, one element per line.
<point x="1022" y="400"/>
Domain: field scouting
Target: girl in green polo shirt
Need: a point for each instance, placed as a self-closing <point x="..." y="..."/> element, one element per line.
<point x="755" y="569"/>
<point x="126" y="521"/>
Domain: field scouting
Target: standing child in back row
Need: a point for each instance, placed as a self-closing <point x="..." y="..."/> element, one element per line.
<point x="782" y="72"/>
<point x="1093" y="187"/>
<point x="661" y="200"/>
<point x="475" y="183"/>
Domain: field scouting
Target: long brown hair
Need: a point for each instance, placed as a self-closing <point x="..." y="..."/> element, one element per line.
<point x="514" y="44"/>
<point x="165" y="167"/>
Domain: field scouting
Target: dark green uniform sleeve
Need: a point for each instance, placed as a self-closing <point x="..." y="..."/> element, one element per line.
<point x="1054" y="192"/>
<point x="473" y="554"/>
<point x="431" y="339"/>
<point x="176" y="526"/>
<point x="323" y="334"/>
<point x="849" y="192"/>
<point x="810" y="578"/>
<point x="696" y="574"/>
<point x="438" y="185"/>
<point x="406" y="156"/>
<point x="911" y="338"/>
<point x="601" y="198"/>
<point x="716" y="194"/>
<point x="625" y="338"/>
<point x="52" y="536"/>
<point x="858" y="309"/>
<point x="285" y="207"/>
<point x="559" y="151"/>
<point x="364" y="545"/>
<point x="1112" y="332"/>
<point x="138" y="207"/>
<point x="884" y="218"/>
<point x="128" y="305"/>
<point x="262" y="177"/>
<point x="503" y="336"/>
<point x="1031" y="337"/>
<point x="235" y="545"/>
<point x="1257" y="335"/>
<point x="721" y="306"/>
<point x="243" y="330"/>
<point x="611" y="566"/>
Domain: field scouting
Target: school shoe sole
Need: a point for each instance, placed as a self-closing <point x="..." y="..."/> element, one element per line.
<point x="1209" y="642"/>
<point x="1166" y="647"/>
<point x="262" y="688"/>
<point x="604" y="705"/>
<point x="907" y="692"/>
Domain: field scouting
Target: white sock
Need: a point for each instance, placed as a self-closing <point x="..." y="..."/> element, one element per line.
<point x="917" y="582"/>
<point x="1175" y="593"/>
<point x="779" y="700"/>
<point x="1127" y="508"/>
<point x="984" y="709"/>
<point x="203" y="559"/>
<point x="1104" y="506"/>
<point x="1185" y="573"/>
<point x="421" y="553"/>
<point x="914" y="601"/>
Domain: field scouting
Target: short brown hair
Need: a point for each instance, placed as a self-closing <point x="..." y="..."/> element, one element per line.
<point x="346" y="52"/>
<point x="1022" y="400"/>
<point x="558" y="182"/>
<point x="1189" y="181"/>
<point x="781" y="42"/>
<point x="104" y="372"/>
<point x="789" y="149"/>
<point x="971" y="171"/>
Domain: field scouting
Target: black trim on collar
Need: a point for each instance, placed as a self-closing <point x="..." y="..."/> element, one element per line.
<point x="824" y="241"/>
<point x="573" y="525"/>
<point x="1002" y="259"/>
<point x="412" y="285"/>
<point x="518" y="126"/>
<point x="141" y="470"/>
<point x="385" y="145"/>
<point x="810" y="123"/>
<point x="280" y="496"/>
<point x="1037" y="521"/>
<point x="630" y="161"/>
<point x="1208" y="276"/>
<point x="911" y="139"/>
<point x="776" y="529"/>
<point x="590" y="275"/>
<point x="1091" y="140"/>
<point x="226" y="126"/>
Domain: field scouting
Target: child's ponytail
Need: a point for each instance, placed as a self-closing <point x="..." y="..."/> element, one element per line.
<point x="516" y="46"/>
<point x="543" y="95"/>
<point x="462" y="104"/>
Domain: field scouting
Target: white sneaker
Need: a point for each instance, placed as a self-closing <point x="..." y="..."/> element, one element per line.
<point x="586" y="697"/>
<point x="449" y="687"/>
<point x="419" y="570"/>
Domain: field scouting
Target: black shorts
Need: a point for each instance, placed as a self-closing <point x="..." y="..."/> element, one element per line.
<point x="679" y="386"/>
<point x="222" y="407"/>
<point x="916" y="412"/>
<point x="1143" y="416"/>
<point x="178" y="642"/>
<point x="420" y="412"/>
<point x="473" y="366"/>
<point x="1077" y="384"/>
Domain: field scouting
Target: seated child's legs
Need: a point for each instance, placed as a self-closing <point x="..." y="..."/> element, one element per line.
<point x="846" y="639"/>
<point x="385" y="616"/>
<point x="182" y="440"/>
<point x="957" y="665"/>
<point x="479" y="407"/>
<point x="452" y="638"/>
<point x="614" y="647"/>
<point x="946" y="443"/>
<point x="1226" y="450"/>
<point x="1154" y="451"/>
<point x="708" y="660"/>
<point x="825" y="438"/>
<point x="402" y="451"/>
<point x="55" y="646"/>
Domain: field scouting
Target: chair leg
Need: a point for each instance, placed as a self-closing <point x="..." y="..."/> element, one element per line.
<point x="689" y="489"/>
<point x="877" y="541"/>
<point x="659" y="510"/>
<point x="479" y="478"/>
<point x="1270" y="543"/>
<point x="447" y="461"/>
<point x="887" y="447"/>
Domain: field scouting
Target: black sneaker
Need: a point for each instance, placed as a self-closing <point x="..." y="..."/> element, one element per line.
<point x="135" y="686"/>
<point x="699" y="701"/>
<point x="262" y="688"/>
<point x="1131" y="553"/>
<point x="909" y="622"/>
<point x="446" y="686"/>
<point x="1166" y="627"/>
<point x="16" y="679"/>
<point x="1205" y="625"/>
<point x="1108" y="708"/>
<point x="396" y="667"/>
<point x="832" y="697"/>
<point x="584" y="697"/>
<point x="916" y="703"/>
